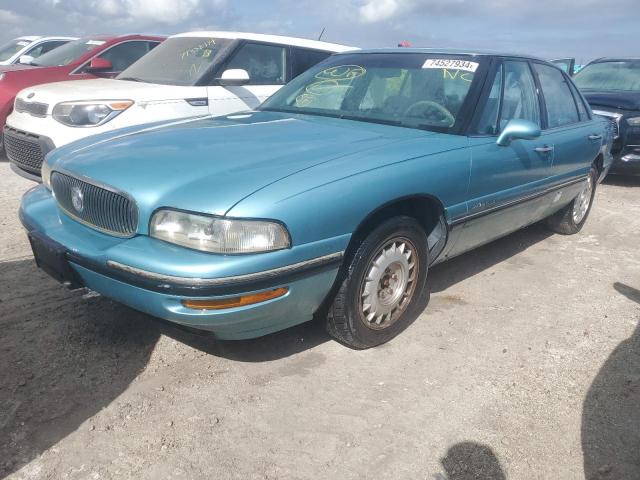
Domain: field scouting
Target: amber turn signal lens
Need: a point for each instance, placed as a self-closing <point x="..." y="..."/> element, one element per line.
<point x="233" y="302"/>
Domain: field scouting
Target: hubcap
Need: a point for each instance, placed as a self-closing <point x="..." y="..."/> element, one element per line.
<point x="389" y="284"/>
<point x="582" y="202"/>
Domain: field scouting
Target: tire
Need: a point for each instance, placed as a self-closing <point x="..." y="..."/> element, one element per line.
<point x="570" y="219"/>
<point x="402" y="283"/>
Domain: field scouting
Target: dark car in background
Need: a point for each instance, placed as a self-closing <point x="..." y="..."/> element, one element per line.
<point x="612" y="87"/>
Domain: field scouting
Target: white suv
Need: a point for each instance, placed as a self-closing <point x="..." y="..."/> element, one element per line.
<point x="188" y="75"/>
<point x="25" y="49"/>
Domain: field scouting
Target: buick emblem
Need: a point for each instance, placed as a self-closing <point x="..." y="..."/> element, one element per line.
<point x="31" y="95"/>
<point x="77" y="199"/>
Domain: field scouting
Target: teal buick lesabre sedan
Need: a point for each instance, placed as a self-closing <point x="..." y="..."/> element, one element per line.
<point x="333" y="199"/>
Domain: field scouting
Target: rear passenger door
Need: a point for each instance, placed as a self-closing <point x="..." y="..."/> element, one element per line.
<point x="503" y="178"/>
<point x="569" y="128"/>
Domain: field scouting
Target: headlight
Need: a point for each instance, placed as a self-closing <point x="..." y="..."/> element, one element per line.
<point x="86" y="114"/>
<point x="45" y="172"/>
<point x="634" y="122"/>
<point x="218" y="234"/>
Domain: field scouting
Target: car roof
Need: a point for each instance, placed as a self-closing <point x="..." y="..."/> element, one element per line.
<point x="128" y="36"/>
<point x="279" y="39"/>
<point x="453" y="51"/>
<point x="29" y="38"/>
<point x="616" y="59"/>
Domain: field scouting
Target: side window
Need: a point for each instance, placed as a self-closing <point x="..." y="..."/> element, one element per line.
<point x="124" y="54"/>
<point x="520" y="99"/>
<point x="582" y="109"/>
<point x="561" y="107"/>
<point x="265" y="64"/>
<point x="303" y="59"/>
<point x="45" y="47"/>
<point x="488" y="124"/>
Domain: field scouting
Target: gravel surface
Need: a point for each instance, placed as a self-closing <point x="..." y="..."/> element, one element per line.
<point x="526" y="365"/>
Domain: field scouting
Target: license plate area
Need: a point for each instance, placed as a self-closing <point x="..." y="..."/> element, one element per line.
<point x="51" y="257"/>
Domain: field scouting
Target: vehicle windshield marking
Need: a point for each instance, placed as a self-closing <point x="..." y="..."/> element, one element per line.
<point x="621" y="76"/>
<point x="180" y="61"/>
<point x="382" y="88"/>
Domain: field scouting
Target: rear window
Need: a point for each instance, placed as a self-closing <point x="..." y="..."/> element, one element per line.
<point x="68" y="53"/>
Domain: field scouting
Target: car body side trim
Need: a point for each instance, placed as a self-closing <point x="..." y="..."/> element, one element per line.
<point x="517" y="201"/>
<point x="250" y="277"/>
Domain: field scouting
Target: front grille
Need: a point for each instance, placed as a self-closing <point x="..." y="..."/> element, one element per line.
<point x="614" y="118"/>
<point x="33" y="108"/>
<point x="24" y="150"/>
<point x="98" y="207"/>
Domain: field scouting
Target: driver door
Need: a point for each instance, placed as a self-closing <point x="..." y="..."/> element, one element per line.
<point x="267" y="68"/>
<point x="504" y="177"/>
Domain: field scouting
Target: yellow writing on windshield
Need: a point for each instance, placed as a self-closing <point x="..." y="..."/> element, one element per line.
<point x="329" y="80"/>
<point x="204" y="47"/>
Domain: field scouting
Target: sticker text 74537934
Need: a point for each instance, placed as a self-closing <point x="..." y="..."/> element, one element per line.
<point x="450" y="63"/>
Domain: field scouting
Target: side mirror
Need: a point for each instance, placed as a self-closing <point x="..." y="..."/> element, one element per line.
<point x="100" y="65"/>
<point x="26" y="59"/>
<point x="518" y="130"/>
<point x="234" y="77"/>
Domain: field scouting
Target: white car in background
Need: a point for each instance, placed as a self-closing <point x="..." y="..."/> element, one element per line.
<point x="25" y="49"/>
<point x="188" y="75"/>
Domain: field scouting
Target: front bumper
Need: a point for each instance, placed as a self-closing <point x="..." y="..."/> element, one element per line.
<point x="104" y="264"/>
<point x="626" y="162"/>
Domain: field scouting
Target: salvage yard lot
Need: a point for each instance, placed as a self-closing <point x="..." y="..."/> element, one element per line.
<point x="526" y="364"/>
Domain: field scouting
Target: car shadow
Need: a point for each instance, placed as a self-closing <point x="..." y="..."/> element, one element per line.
<point x="471" y="461"/>
<point x="611" y="410"/>
<point x="447" y="274"/>
<point x="64" y="357"/>
<point x="622" y="180"/>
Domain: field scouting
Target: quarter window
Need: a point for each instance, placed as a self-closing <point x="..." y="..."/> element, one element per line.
<point x="265" y="64"/>
<point x="520" y="99"/>
<point x="561" y="107"/>
<point x="582" y="109"/>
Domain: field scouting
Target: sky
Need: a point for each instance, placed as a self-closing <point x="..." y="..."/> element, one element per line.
<point x="584" y="29"/>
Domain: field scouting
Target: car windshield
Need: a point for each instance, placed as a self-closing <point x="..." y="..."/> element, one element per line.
<point x="67" y="53"/>
<point x="412" y="90"/>
<point x="610" y="76"/>
<point x="179" y="61"/>
<point x="9" y="49"/>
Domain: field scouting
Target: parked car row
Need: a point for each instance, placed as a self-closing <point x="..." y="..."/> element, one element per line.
<point x="332" y="198"/>
<point x="191" y="74"/>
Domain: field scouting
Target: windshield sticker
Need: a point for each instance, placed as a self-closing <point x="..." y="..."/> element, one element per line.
<point x="95" y="42"/>
<point x="441" y="63"/>
<point x="202" y="50"/>
<point x="328" y="80"/>
<point x="22" y="43"/>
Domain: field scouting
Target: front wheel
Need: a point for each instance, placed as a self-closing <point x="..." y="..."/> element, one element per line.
<point x="385" y="286"/>
<point x="571" y="219"/>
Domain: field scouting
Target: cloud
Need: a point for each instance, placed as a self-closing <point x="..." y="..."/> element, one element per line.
<point x="377" y="10"/>
<point x="9" y="17"/>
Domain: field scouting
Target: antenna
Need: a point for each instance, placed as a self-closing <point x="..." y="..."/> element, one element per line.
<point x="321" y="33"/>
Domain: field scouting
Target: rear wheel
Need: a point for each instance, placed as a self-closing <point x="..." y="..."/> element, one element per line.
<point x="384" y="289"/>
<point x="571" y="219"/>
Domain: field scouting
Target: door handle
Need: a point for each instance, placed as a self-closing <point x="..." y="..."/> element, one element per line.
<point x="594" y="137"/>
<point x="545" y="149"/>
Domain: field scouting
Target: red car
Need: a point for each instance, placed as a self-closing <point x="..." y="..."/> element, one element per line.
<point x="89" y="57"/>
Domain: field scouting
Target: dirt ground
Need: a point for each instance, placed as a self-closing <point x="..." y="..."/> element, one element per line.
<point x="526" y="365"/>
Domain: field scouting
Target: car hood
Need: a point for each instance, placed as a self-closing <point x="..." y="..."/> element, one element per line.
<point x="108" y="89"/>
<point x="208" y="165"/>
<point x="618" y="100"/>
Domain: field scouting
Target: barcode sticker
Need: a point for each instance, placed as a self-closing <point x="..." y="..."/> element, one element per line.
<point x="95" y="42"/>
<point x="451" y="64"/>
